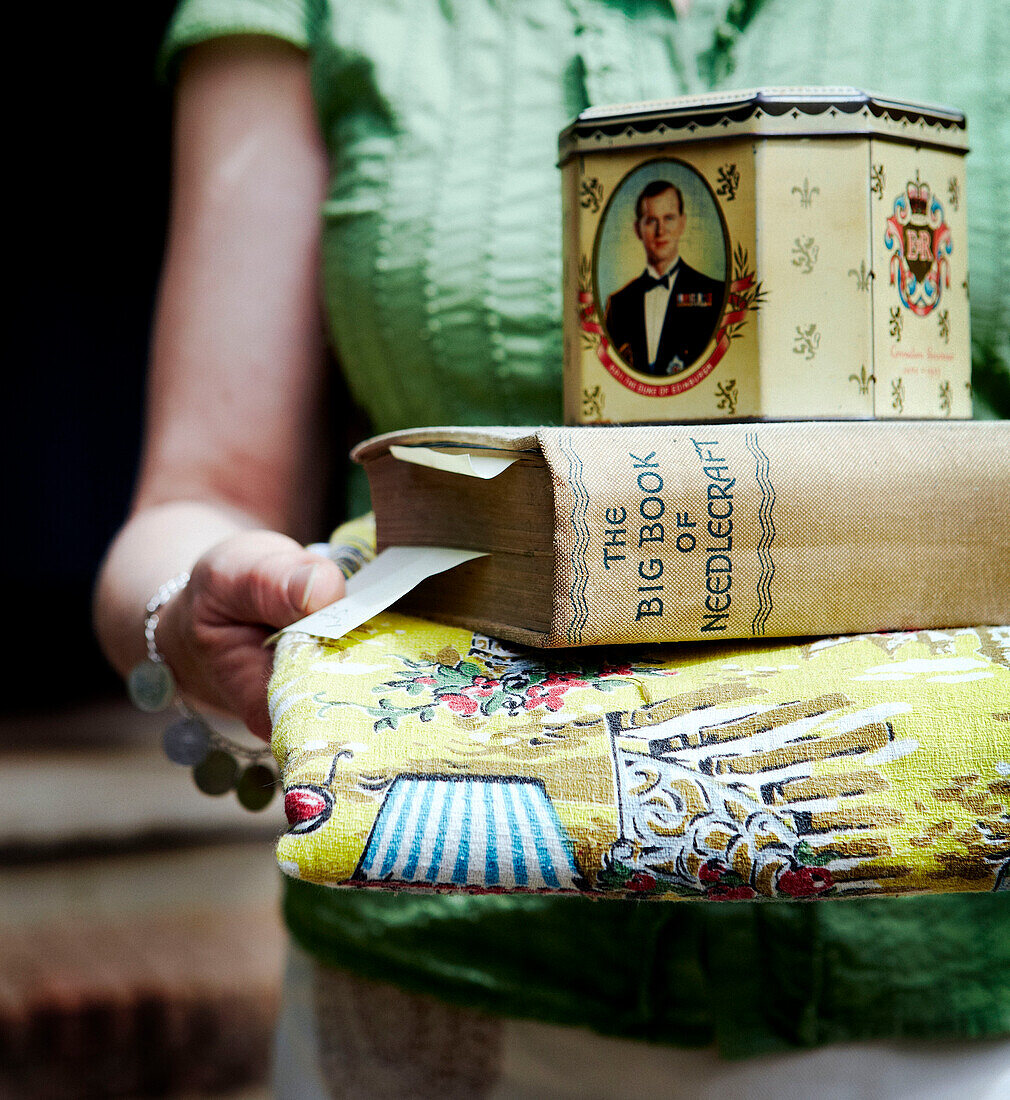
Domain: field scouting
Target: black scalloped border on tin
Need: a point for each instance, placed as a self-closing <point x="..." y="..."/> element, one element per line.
<point x="775" y="106"/>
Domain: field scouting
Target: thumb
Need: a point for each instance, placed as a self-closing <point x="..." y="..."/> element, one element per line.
<point x="313" y="585"/>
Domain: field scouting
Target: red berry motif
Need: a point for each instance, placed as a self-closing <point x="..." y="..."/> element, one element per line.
<point x="641" y="882"/>
<point x="307" y="807"/>
<point x="722" y="884"/>
<point x="549" y="692"/>
<point x="732" y="893"/>
<point x="805" y="882"/>
<point x="711" y="871"/>
<point x="460" y="704"/>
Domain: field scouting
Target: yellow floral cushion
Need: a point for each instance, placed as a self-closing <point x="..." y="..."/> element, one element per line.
<point x="417" y="755"/>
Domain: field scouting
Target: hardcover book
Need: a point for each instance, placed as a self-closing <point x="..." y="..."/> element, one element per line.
<point x="599" y="535"/>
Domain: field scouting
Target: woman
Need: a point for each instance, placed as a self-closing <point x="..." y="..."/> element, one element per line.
<point x="426" y="130"/>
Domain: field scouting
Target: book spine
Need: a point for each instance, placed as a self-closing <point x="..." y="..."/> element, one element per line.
<point x="719" y="531"/>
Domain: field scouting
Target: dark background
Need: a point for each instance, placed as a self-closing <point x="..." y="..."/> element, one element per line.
<point x="87" y="225"/>
<point x="90" y="178"/>
<point x="183" y="996"/>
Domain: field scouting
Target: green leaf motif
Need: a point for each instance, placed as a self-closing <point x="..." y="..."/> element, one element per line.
<point x="493" y="702"/>
<point x="805" y="856"/>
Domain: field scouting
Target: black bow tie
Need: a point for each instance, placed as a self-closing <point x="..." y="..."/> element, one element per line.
<point x="651" y="282"/>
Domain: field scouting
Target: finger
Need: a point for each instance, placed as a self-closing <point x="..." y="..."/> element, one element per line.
<point x="243" y="673"/>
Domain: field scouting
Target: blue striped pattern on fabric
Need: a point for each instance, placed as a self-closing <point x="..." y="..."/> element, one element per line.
<point x="469" y="832"/>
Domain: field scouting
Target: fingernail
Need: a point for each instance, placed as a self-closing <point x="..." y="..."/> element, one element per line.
<point x="304" y="574"/>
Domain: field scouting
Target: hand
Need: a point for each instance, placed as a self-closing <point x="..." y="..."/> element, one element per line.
<point x="240" y="592"/>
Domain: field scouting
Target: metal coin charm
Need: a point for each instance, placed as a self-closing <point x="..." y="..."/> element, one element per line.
<point x="216" y="773"/>
<point x="256" y="786"/>
<point x="186" y="741"/>
<point x="151" y="685"/>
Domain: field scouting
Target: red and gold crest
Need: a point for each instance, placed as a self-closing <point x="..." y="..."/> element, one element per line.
<point x="919" y="240"/>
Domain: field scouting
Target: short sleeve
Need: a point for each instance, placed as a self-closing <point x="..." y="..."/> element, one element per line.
<point x="197" y="21"/>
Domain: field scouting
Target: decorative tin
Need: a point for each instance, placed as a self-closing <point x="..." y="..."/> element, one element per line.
<point x="784" y="252"/>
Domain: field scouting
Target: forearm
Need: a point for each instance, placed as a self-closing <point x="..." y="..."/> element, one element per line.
<point x="232" y="461"/>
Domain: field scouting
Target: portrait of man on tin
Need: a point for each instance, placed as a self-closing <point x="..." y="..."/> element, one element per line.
<point x="662" y="321"/>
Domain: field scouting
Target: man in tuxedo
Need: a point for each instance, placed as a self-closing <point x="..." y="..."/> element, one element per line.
<point x="661" y="322"/>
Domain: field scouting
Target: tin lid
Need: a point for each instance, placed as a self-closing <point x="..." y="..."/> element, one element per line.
<point x="764" y="112"/>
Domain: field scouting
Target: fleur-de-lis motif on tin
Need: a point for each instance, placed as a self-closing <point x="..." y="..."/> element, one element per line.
<point x="877" y="180"/>
<point x="898" y="394"/>
<point x="954" y="192"/>
<point x="728" y="396"/>
<point x="806" y="193"/>
<point x="862" y="275"/>
<point x="862" y="380"/>
<point x="895" y="323"/>
<point x="591" y="194"/>
<point x="592" y="402"/>
<point x="806" y="341"/>
<point x="729" y="182"/>
<point x="943" y="319"/>
<point x="946" y="400"/>
<point x="805" y="252"/>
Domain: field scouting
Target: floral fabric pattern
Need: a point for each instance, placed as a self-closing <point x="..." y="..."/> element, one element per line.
<point x="417" y="755"/>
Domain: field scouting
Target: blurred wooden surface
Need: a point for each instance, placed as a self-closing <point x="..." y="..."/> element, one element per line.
<point x="141" y="944"/>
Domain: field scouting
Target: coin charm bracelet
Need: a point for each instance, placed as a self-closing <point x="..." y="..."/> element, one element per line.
<point x="219" y="764"/>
